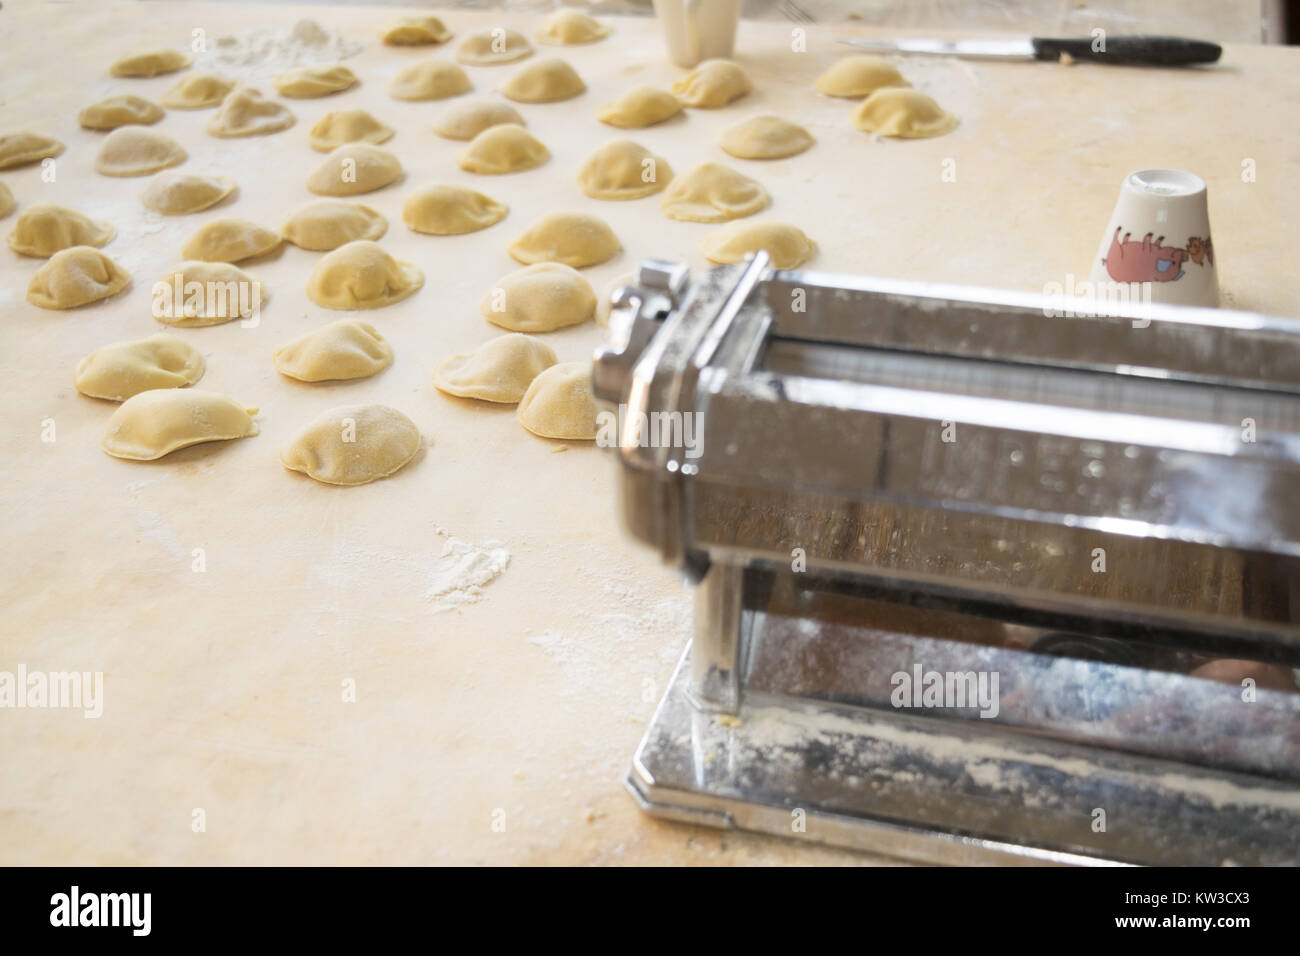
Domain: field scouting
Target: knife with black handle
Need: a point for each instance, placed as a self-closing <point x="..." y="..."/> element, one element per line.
<point x="1119" y="50"/>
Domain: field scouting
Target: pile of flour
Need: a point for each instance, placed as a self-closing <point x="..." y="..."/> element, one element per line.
<point x="463" y="570"/>
<point x="265" y="51"/>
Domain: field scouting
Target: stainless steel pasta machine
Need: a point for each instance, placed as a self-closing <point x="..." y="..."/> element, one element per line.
<point x="976" y="581"/>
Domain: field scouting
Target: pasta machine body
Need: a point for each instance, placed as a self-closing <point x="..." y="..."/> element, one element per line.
<point x="975" y="580"/>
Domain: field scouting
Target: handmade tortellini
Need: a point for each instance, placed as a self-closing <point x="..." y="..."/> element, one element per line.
<point x="502" y="149"/>
<point x="570" y="238"/>
<point x="198" y="91"/>
<point x="565" y="27"/>
<point x="44" y="229"/>
<point x="451" y="211"/>
<point x="7" y="202"/>
<point x="859" y="75"/>
<point x="118" y="371"/>
<point x="346" y="349"/>
<point x="546" y="81"/>
<point x="786" y="244"/>
<point x="490" y="47"/>
<point x="901" y="112"/>
<point x="640" y="107"/>
<point x="198" y="294"/>
<point x="559" y="403"/>
<point x="416" y="31"/>
<point x="246" y="112"/>
<point x="764" y="137"/>
<point x="229" y="240"/>
<point x="308" y="82"/>
<point x="125" y="110"/>
<point x="499" y="370"/>
<point x="429" y="80"/>
<point x="354" y="168"/>
<point x="175" y="194"/>
<point x="540" y="298"/>
<point x="466" y="120"/>
<point x="348" y="126"/>
<point x="133" y="151"/>
<point x="151" y="63"/>
<point x="623" y="170"/>
<point x="75" y="277"/>
<point x="353" y="445"/>
<point x="712" y="193"/>
<point x="325" y="224"/>
<point x="712" y="84"/>
<point x="157" y="422"/>
<point x="22" y="147"/>
<point x="361" y="275"/>
<point x="432" y="79"/>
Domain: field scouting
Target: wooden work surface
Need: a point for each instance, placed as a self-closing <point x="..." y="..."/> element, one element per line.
<point x="223" y="688"/>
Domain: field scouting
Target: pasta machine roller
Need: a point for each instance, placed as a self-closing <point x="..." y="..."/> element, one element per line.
<point x="975" y="581"/>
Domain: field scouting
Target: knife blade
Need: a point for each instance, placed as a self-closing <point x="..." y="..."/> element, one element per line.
<point x="1118" y="50"/>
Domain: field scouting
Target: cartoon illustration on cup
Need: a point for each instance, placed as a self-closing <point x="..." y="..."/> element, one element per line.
<point x="1149" y="260"/>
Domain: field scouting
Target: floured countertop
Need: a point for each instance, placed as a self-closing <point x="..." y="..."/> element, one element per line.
<point x="505" y="641"/>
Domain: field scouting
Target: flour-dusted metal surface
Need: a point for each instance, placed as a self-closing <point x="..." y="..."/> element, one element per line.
<point x="223" y="688"/>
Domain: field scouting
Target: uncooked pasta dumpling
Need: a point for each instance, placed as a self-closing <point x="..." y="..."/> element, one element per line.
<point x="44" y="229"/>
<point x="570" y="238"/>
<point x="7" y="202"/>
<point x="712" y="193"/>
<point x="764" y="137"/>
<point x="152" y="63"/>
<point x="540" y="298"/>
<point x="22" y="147"/>
<point x="134" y="151"/>
<point x="546" y="81"/>
<point x="712" y="84"/>
<point x="125" y="110"/>
<point x="430" y="80"/>
<point x="325" y="224"/>
<point x="490" y="47"/>
<point x="118" y="371"/>
<point x="451" y="211"/>
<point x="348" y="126"/>
<point x="346" y="349"/>
<point x="640" y="107"/>
<point x="559" y="403"/>
<point x="176" y="194"/>
<point x="246" y="112"/>
<point x="353" y="445"/>
<point x="786" y="244"/>
<point x="623" y="170"/>
<point x="75" y="277"/>
<point x="307" y="82"/>
<point x="353" y="169"/>
<point x="229" y="240"/>
<point x="198" y="91"/>
<point x="198" y="294"/>
<point x="361" y="275"/>
<point x="416" y="31"/>
<point x="901" y="112"/>
<point x="499" y="370"/>
<point x="464" y="121"/>
<point x="502" y="149"/>
<point x="859" y="75"/>
<point x="566" y="27"/>
<point x="159" y="421"/>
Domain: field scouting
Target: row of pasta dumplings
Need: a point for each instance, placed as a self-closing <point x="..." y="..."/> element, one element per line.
<point x="554" y="398"/>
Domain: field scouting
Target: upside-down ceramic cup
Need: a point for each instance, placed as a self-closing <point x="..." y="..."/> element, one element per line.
<point x="698" y="30"/>
<point x="1159" y="238"/>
